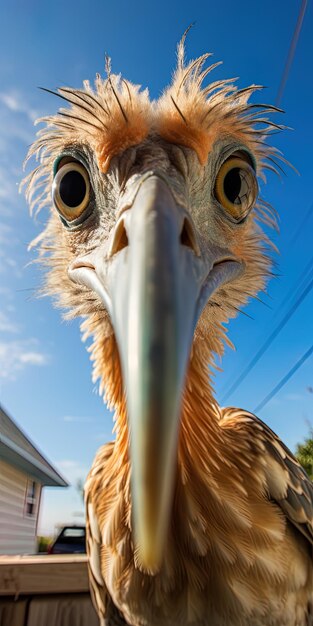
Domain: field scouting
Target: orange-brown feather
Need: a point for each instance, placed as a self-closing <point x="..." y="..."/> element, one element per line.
<point x="230" y="553"/>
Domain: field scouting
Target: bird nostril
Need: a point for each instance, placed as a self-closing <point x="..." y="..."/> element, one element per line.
<point x="188" y="238"/>
<point x="120" y="239"/>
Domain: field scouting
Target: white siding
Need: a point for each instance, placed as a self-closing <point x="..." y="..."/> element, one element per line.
<point x="17" y="530"/>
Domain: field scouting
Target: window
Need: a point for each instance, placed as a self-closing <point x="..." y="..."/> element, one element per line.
<point x="74" y="532"/>
<point x="31" y="497"/>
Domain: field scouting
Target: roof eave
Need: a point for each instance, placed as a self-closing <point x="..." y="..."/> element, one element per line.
<point x="13" y="454"/>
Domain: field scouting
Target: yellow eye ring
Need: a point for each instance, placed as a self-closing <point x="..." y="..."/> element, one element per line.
<point x="71" y="190"/>
<point x="236" y="187"/>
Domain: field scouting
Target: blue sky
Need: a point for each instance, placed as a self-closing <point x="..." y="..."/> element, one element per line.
<point x="45" y="381"/>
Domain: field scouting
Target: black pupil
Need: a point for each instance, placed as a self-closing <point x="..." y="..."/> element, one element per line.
<point x="232" y="185"/>
<point x="72" y="189"/>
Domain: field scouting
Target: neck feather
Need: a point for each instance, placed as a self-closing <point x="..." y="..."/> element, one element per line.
<point x="199" y="428"/>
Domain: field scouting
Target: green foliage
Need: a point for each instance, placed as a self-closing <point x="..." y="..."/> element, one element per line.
<point x="43" y="543"/>
<point x="304" y="454"/>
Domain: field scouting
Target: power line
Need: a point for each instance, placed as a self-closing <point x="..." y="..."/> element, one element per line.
<point x="299" y="229"/>
<point x="291" y="52"/>
<point x="297" y="285"/>
<point x="284" y="380"/>
<point x="291" y="311"/>
<point x="269" y="340"/>
<point x="281" y="89"/>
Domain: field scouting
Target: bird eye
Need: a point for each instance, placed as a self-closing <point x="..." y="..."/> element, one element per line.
<point x="236" y="187"/>
<point x="71" y="190"/>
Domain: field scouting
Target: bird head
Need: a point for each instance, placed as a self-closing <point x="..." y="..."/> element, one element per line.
<point x="154" y="238"/>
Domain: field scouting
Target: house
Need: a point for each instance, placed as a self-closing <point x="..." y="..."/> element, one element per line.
<point x="23" y="473"/>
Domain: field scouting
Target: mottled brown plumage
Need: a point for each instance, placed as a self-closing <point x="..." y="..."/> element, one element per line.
<point x="238" y="547"/>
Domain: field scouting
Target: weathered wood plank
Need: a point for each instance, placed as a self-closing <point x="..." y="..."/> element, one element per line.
<point x="64" y="610"/>
<point x="29" y="575"/>
<point x="13" y="613"/>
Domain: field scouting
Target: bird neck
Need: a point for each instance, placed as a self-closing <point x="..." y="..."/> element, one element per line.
<point x="200" y="430"/>
<point x="200" y="415"/>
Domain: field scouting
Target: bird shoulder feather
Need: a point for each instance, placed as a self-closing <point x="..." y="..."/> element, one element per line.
<point x="287" y="482"/>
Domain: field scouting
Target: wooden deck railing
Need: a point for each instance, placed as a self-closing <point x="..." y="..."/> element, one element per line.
<point x="45" y="590"/>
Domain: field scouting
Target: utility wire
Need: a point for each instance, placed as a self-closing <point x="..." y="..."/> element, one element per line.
<point x="286" y="318"/>
<point x="269" y="340"/>
<point x="297" y="285"/>
<point x="302" y="224"/>
<point x="281" y="89"/>
<point x="291" y="53"/>
<point x="284" y="380"/>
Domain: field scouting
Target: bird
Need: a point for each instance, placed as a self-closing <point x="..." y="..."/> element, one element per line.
<point x="196" y="514"/>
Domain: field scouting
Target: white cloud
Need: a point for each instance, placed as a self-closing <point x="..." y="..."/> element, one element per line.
<point x="105" y="437"/>
<point x="5" y="231"/>
<point x="9" y="266"/>
<point x="16" y="132"/>
<point x="9" y="101"/>
<point x="8" y="188"/>
<point x="10" y="199"/>
<point x="9" y="247"/>
<point x="14" y="101"/>
<point x="77" y="418"/>
<point x="274" y="402"/>
<point x="33" y="358"/>
<point x="5" y="292"/>
<point x="295" y="397"/>
<point x="7" y="325"/>
<point x="16" y="355"/>
<point x="72" y="470"/>
<point x="17" y="118"/>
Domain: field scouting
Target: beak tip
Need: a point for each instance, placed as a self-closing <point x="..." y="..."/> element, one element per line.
<point x="149" y="558"/>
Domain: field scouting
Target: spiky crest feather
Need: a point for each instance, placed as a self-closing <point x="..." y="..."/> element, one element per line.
<point x="116" y="115"/>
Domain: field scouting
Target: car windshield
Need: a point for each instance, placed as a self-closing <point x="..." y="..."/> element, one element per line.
<point x="73" y="532"/>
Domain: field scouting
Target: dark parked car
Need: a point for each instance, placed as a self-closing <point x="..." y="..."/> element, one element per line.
<point x="71" y="540"/>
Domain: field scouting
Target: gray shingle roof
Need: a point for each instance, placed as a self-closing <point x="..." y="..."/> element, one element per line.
<point x="18" y="450"/>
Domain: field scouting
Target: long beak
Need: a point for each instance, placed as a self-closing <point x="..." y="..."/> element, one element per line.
<point x="153" y="283"/>
<point x="154" y="335"/>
